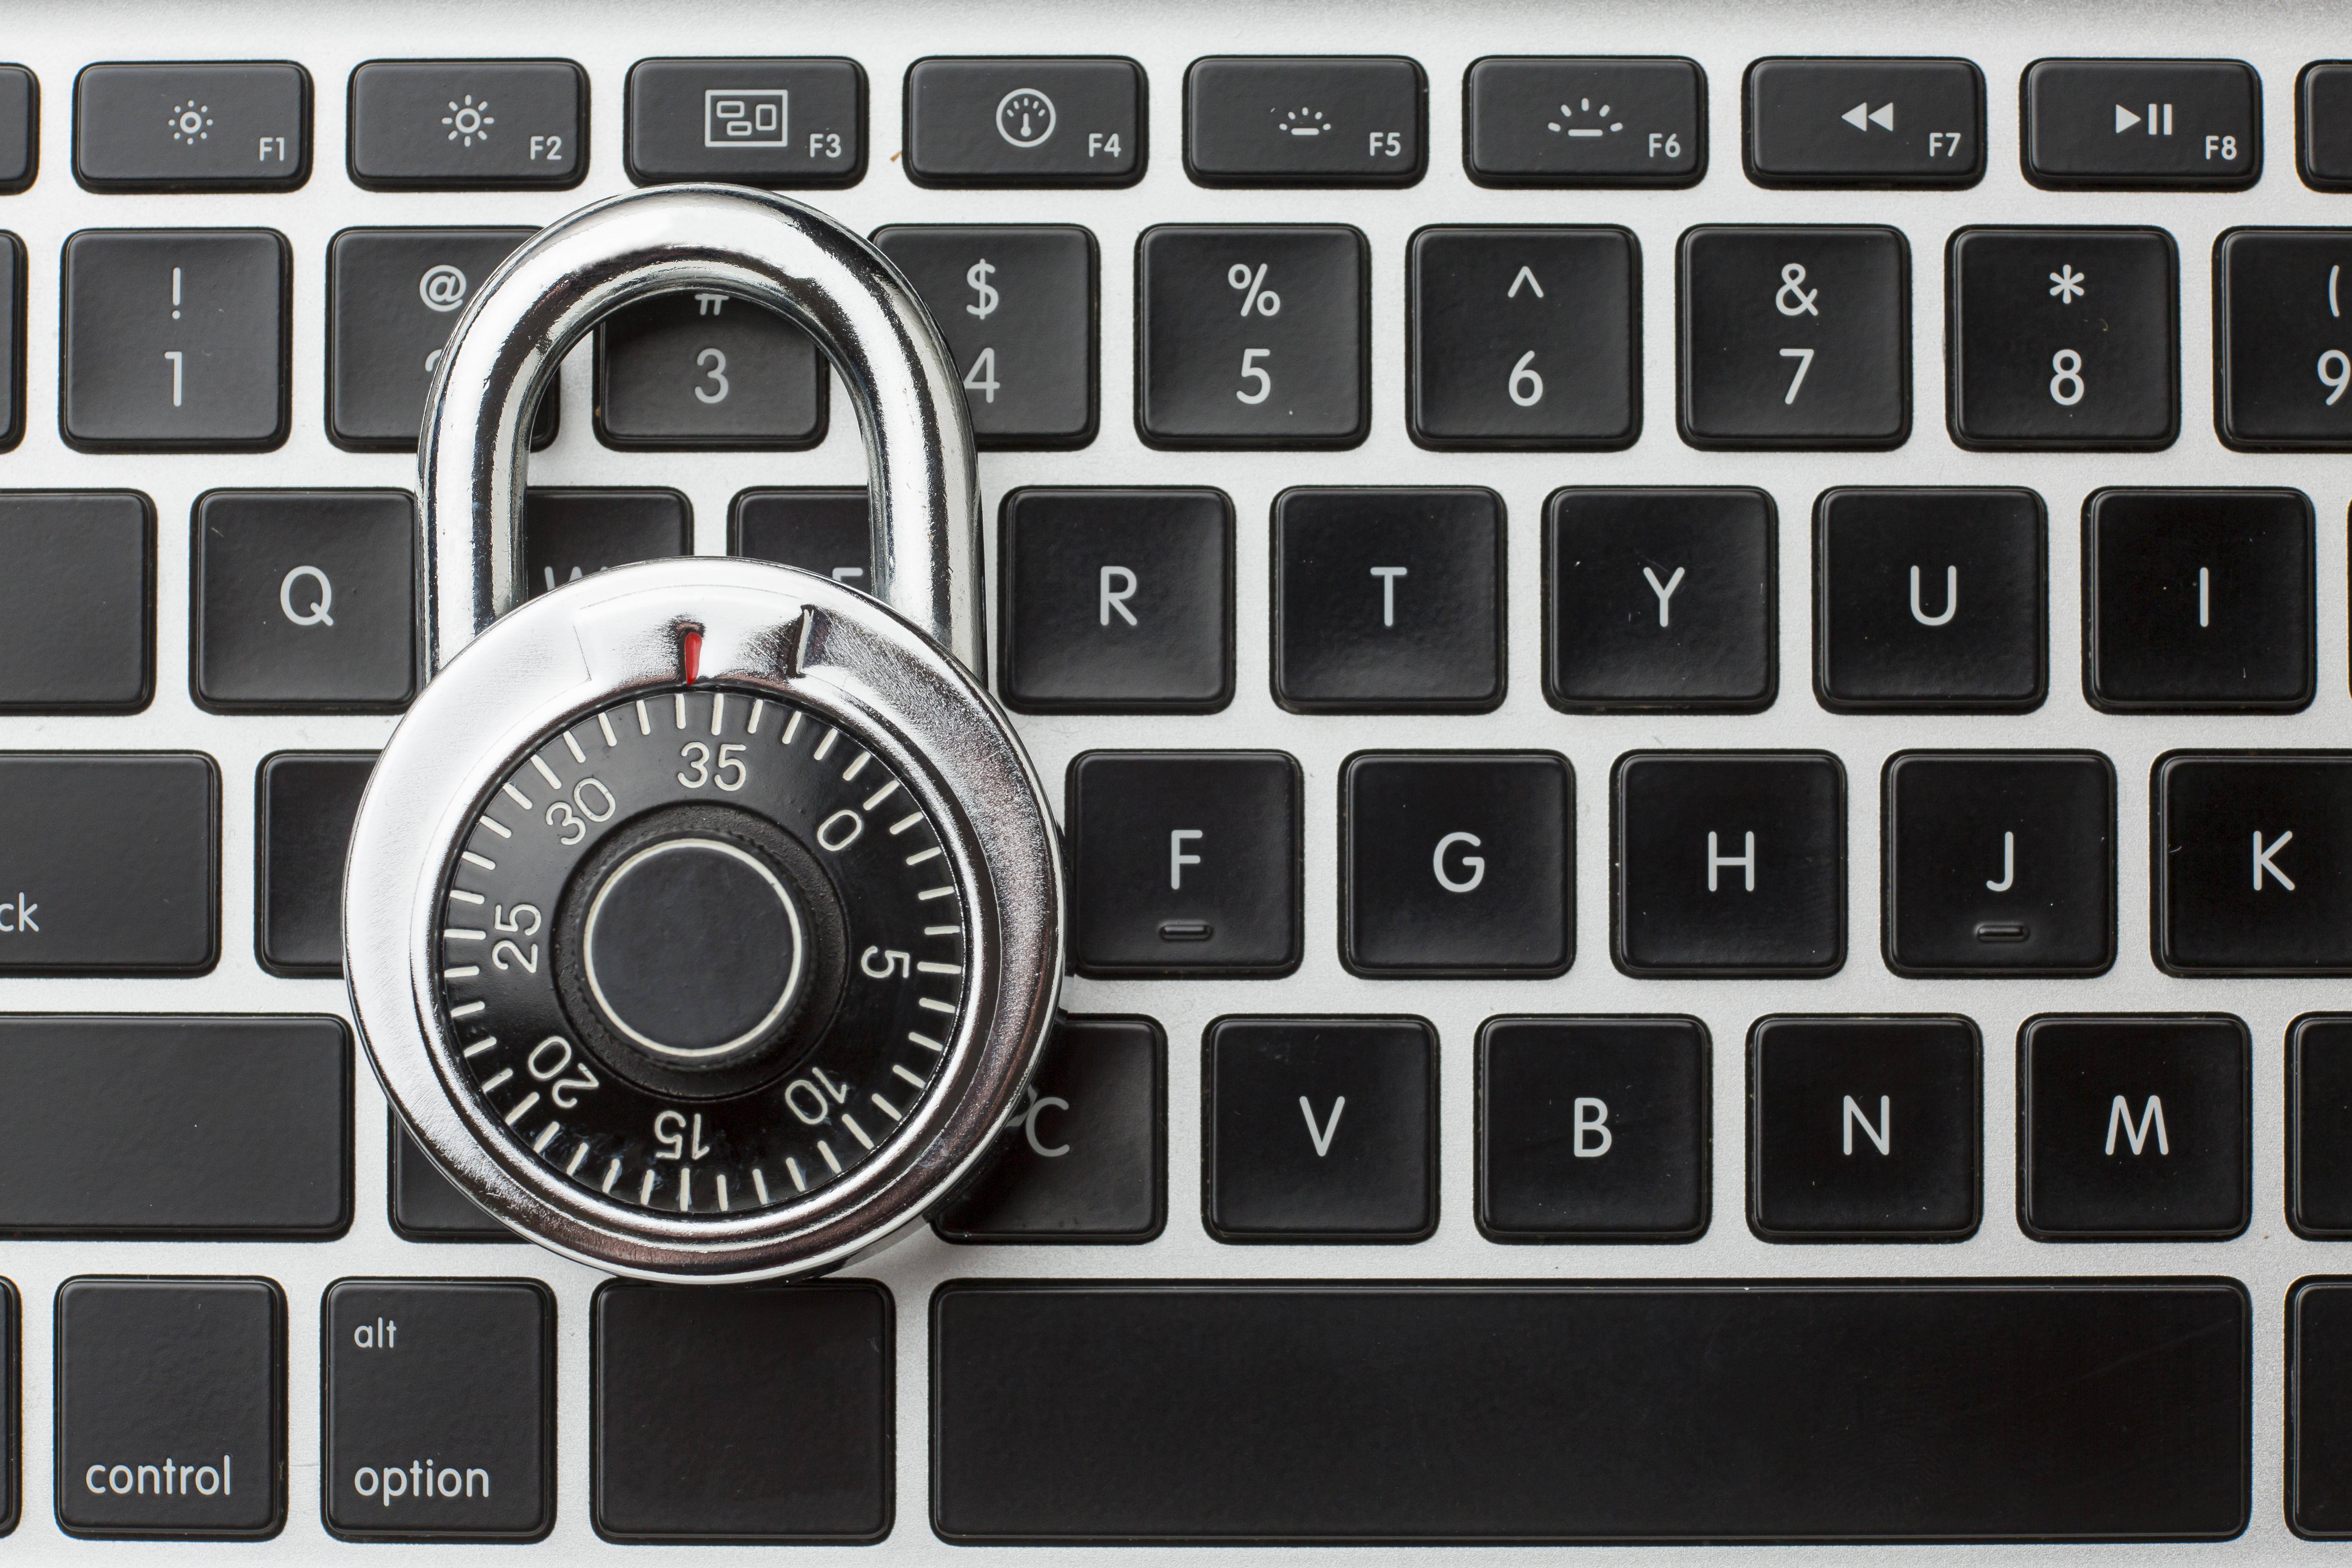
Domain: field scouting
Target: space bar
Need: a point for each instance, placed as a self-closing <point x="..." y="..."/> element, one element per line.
<point x="2053" y="1409"/>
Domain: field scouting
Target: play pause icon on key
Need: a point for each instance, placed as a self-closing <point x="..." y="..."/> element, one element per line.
<point x="2158" y="119"/>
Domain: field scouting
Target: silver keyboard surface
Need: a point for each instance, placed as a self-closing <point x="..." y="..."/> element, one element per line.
<point x="56" y="40"/>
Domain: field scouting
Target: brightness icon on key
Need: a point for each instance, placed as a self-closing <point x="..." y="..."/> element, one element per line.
<point x="1583" y="105"/>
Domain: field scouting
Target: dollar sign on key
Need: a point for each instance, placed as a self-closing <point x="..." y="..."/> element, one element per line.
<point x="978" y="279"/>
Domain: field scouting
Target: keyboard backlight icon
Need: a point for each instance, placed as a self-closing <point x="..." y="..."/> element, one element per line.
<point x="744" y="117"/>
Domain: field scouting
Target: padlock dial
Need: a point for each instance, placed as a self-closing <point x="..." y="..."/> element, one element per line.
<point x="701" y="951"/>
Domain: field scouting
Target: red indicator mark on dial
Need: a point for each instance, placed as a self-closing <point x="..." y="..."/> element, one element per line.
<point x="690" y="653"/>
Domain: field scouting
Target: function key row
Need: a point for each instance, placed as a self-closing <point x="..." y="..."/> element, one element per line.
<point x="1383" y="600"/>
<point x="1361" y="121"/>
<point x="1525" y="338"/>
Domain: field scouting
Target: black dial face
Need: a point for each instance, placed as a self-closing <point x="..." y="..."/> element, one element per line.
<point x="702" y="952"/>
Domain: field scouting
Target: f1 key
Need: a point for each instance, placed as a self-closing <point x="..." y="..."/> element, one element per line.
<point x="1866" y="123"/>
<point x="2143" y="125"/>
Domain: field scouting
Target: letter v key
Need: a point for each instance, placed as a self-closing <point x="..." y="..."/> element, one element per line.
<point x="1322" y="1135"/>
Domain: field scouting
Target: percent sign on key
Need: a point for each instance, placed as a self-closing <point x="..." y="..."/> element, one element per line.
<point x="1256" y="298"/>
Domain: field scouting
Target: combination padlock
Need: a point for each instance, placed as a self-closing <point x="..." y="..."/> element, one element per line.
<point x="703" y="917"/>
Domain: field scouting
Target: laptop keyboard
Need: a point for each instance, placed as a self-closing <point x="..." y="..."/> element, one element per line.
<point x="1694" y="671"/>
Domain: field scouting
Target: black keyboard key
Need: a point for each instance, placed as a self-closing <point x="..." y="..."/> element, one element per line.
<point x="143" y="1126"/>
<point x="194" y="125"/>
<point x="1011" y="121"/>
<point x="174" y="340"/>
<point x="1999" y="863"/>
<point x="1878" y="122"/>
<point x="829" y="532"/>
<point x="1305" y="122"/>
<point x="468" y="125"/>
<point x="1525" y="338"/>
<point x="1795" y="337"/>
<point x="20" y="129"/>
<point x="1584" y="122"/>
<point x="2319" y="1127"/>
<point x="1592" y="1129"/>
<point x="682" y="1455"/>
<point x="2197" y="601"/>
<point x="305" y="601"/>
<point x="77" y="602"/>
<point x="427" y="1205"/>
<point x="1253" y="337"/>
<point x="570" y="534"/>
<point x="1457" y="864"/>
<point x="702" y="372"/>
<point x="1926" y="600"/>
<point x="1115" y="601"/>
<point x="2133" y="1128"/>
<point x="12" y="335"/>
<point x="1518" y="1413"/>
<point x="2143" y="125"/>
<point x="111" y="864"/>
<point x="393" y="296"/>
<point x="1729" y="864"/>
<point x="2250" y="863"/>
<point x="437" y="1410"/>
<point x="171" y="1402"/>
<point x="2281" y="371"/>
<point x="779" y="123"/>
<point x="2063" y="338"/>
<point x="1017" y="306"/>
<point x="308" y="800"/>
<point x="12" y="1318"/>
<point x="2324" y="125"/>
<point x="2319" y="1409"/>
<point x="1865" y="1129"/>
<point x="1321" y="1130"/>
<point x="1084" y="1157"/>
<point x="1388" y="601"/>
<point x="1661" y="600"/>
<point x="1184" y="863"/>
<point x="12" y="339"/>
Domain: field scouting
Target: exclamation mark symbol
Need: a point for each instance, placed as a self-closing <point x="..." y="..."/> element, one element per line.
<point x="176" y="293"/>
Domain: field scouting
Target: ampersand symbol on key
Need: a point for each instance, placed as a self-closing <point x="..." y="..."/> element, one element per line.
<point x="1793" y="300"/>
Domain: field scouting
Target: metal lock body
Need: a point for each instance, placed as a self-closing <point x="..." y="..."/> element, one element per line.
<point x="703" y="917"/>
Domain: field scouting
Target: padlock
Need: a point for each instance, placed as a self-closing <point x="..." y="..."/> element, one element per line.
<point x="703" y="917"/>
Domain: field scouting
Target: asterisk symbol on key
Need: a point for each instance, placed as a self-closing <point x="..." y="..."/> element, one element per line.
<point x="2065" y="283"/>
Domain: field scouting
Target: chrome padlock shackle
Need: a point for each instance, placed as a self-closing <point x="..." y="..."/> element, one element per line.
<point x="472" y="458"/>
<point x="587" y="694"/>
